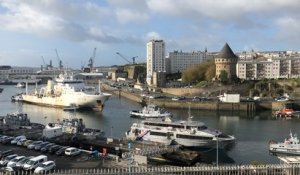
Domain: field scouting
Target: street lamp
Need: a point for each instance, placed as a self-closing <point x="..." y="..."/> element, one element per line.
<point x="111" y="131"/>
<point x="217" y="161"/>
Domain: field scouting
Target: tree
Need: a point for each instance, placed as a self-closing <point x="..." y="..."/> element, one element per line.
<point x="204" y="71"/>
<point x="223" y="76"/>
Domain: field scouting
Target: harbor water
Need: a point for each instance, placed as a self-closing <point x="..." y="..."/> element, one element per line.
<point x="252" y="131"/>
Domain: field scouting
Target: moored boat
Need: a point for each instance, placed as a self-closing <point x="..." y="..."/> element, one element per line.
<point x="17" y="98"/>
<point x="290" y="146"/>
<point x="66" y="95"/>
<point x="150" y="111"/>
<point x="185" y="132"/>
<point x="21" y="85"/>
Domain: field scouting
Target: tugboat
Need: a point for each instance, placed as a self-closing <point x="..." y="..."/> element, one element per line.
<point x="290" y="146"/>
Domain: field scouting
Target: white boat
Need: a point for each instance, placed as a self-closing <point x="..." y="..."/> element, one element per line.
<point x="186" y="133"/>
<point x="65" y="95"/>
<point x="150" y="111"/>
<point x="21" y="85"/>
<point x="290" y="146"/>
<point x="16" y="98"/>
<point x="67" y="78"/>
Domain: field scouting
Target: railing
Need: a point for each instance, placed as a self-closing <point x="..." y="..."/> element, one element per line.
<point x="197" y="170"/>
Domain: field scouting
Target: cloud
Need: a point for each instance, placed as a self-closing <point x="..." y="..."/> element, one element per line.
<point x="55" y="18"/>
<point x="289" y="29"/>
<point x="232" y="11"/>
<point x="153" y="36"/>
<point x="126" y="16"/>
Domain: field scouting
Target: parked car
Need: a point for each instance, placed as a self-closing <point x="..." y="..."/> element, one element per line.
<point x="20" y="163"/>
<point x="46" y="147"/>
<point x="281" y="98"/>
<point x="28" y="142"/>
<point x="54" y="148"/>
<point x="6" y="159"/>
<point x="45" y="167"/>
<point x="31" y="164"/>
<point x="6" y="153"/>
<point x="12" y="163"/>
<point x="21" y="142"/>
<point x="15" y="141"/>
<point x="178" y="98"/>
<point x="61" y="151"/>
<point x="7" y="140"/>
<point x="2" y="138"/>
<point x="72" y="151"/>
<point x="39" y="146"/>
<point x="33" y="144"/>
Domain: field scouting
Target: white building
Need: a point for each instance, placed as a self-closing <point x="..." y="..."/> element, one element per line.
<point x="6" y="71"/>
<point x="155" y="58"/>
<point x="180" y="61"/>
<point x="278" y="67"/>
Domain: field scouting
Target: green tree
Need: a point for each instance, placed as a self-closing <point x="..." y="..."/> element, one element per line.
<point x="223" y="76"/>
<point x="201" y="72"/>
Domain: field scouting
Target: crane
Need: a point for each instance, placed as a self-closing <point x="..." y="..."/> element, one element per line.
<point x="91" y="60"/>
<point x="60" y="65"/>
<point x="122" y="56"/>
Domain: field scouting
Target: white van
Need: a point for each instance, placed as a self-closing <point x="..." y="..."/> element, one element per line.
<point x="31" y="164"/>
<point x="16" y="139"/>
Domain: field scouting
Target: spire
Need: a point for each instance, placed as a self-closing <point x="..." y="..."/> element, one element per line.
<point x="226" y="52"/>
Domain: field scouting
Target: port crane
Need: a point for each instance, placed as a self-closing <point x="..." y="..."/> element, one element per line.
<point x="91" y="60"/>
<point x="122" y="56"/>
<point x="60" y="65"/>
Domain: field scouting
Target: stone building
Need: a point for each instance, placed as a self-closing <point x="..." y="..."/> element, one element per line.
<point x="226" y="60"/>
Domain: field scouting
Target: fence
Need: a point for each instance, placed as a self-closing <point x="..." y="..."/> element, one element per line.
<point x="197" y="170"/>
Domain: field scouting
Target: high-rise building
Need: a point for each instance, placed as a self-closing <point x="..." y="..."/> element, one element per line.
<point x="155" y="58"/>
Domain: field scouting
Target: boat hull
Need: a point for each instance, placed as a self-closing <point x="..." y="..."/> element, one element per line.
<point x="275" y="148"/>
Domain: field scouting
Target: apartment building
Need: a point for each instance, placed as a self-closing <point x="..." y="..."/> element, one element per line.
<point x="269" y="68"/>
<point x="179" y="61"/>
<point x="155" y="58"/>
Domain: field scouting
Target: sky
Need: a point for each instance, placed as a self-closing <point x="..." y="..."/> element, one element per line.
<point x="32" y="29"/>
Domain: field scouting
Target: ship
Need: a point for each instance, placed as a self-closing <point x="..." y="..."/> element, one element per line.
<point x="187" y="133"/>
<point x="63" y="95"/>
<point x="290" y="146"/>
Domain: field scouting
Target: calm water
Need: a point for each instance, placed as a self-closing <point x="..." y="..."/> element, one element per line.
<point x="252" y="132"/>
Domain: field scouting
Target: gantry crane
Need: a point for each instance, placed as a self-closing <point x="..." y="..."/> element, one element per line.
<point x="122" y="56"/>
<point x="60" y="65"/>
<point x="91" y="60"/>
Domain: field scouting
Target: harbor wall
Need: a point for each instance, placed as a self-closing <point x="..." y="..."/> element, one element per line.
<point x="206" y="105"/>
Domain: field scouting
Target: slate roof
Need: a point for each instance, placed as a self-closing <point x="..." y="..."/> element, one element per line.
<point x="226" y="52"/>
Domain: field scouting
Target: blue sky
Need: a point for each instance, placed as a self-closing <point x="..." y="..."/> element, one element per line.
<point x="34" y="28"/>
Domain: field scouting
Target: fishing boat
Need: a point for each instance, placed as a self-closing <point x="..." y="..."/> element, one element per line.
<point x="150" y="111"/>
<point x="186" y="133"/>
<point x="65" y="95"/>
<point x="290" y="146"/>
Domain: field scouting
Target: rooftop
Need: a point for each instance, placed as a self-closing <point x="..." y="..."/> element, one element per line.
<point x="226" y="52"/>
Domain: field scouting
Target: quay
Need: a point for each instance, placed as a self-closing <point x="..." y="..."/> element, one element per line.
<point x="214" y="105"/>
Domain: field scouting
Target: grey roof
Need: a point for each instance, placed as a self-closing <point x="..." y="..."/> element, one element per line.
<point x="226" y="52"/>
